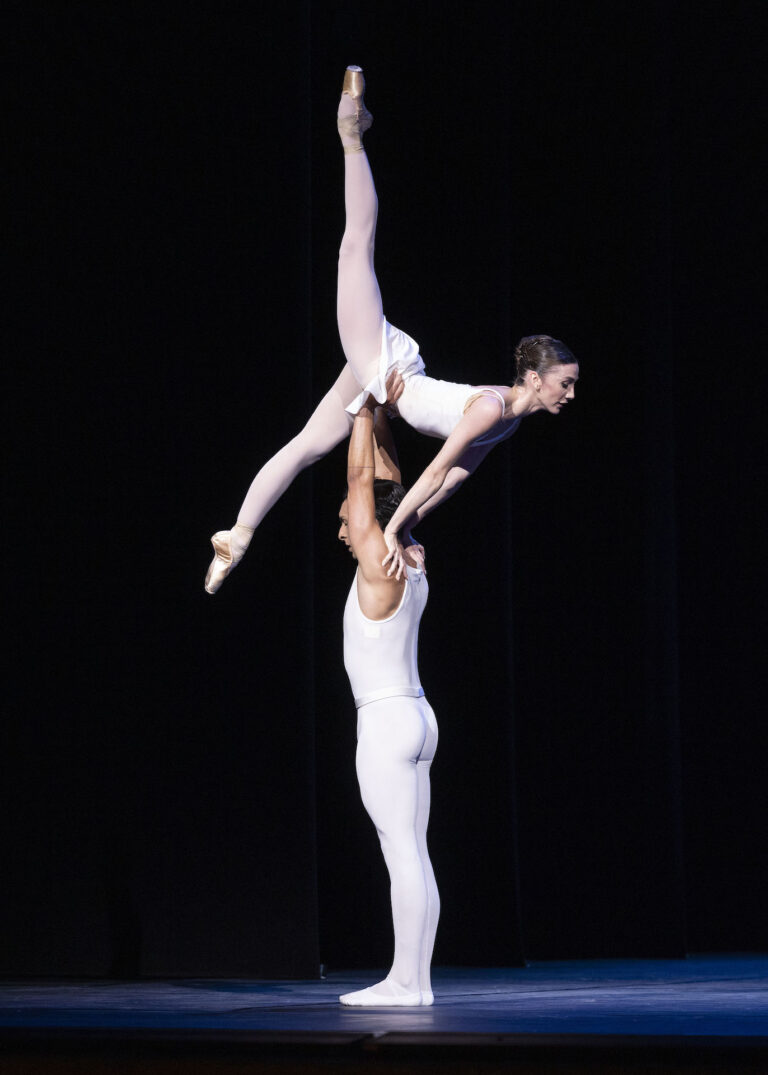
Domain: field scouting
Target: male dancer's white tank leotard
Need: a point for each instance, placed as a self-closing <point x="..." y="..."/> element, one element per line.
<point x="381" y="656"/>
<point x="396" y="741"/>
<point x="432" y="407"/>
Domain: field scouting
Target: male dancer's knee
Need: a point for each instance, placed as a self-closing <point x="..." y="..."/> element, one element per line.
<point x="401" y="851"/>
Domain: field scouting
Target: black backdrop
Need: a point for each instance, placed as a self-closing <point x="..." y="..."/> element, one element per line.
<point x="178" y="778"/>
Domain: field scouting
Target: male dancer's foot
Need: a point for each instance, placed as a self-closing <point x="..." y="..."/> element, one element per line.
<point x="386" y="994"/>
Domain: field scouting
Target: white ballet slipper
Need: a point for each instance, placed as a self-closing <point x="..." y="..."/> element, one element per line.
<point x="368" y="998"/>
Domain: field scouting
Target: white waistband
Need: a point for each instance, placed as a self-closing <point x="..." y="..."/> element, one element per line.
<point x="389" y="692"/>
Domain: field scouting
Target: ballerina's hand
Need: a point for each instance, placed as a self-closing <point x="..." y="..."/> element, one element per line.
<point x="394" y="557"/>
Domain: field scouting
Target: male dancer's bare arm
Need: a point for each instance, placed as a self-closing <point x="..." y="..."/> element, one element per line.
<point x="379" y="595"/>
<point x="385" y="461"/>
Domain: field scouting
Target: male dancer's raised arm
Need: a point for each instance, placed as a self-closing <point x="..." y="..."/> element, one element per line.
<point x="371" y="455"/>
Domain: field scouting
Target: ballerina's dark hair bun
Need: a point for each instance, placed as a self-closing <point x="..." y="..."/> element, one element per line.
<point x="539" y="354"/>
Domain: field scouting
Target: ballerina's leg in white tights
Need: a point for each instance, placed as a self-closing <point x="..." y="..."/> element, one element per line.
<point x="360" y="319"/>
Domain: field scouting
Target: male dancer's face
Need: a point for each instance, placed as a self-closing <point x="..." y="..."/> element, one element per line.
<point x="344" y="528"/>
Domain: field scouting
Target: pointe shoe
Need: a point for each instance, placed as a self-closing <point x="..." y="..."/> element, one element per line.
<point x="353" y="126"/>
<point x="229" y="553"/>
<point x="222" y="562"/>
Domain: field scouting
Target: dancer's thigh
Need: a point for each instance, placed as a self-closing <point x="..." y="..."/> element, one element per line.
<point x="360" y="318"/>
<point x="330" y="422"/>
<point x="342" y="392"/>
<point x="392" y="734"/>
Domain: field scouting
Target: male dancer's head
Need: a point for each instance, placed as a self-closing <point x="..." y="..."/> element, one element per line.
<point x="387" y="495"/>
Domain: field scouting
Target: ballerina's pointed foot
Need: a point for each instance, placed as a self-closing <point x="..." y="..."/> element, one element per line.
<point x="222" y="562"/>
<point x="353" y="122"/>
<point x="390" y="996"/>
<point x="229" y="551"/>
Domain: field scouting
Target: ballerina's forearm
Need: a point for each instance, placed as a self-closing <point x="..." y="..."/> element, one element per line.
<point x="446" y="490"/>
<point x="424" y="491"/>
<point x="451" y="483"/>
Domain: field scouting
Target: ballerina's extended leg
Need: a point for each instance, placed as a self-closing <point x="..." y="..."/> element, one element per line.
<point x="358" y="299"/>
<point x="327" y="427"/>
<point x="360" y="327"/>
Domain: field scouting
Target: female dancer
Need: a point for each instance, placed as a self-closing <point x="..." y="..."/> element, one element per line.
<point x="471" y="419"/>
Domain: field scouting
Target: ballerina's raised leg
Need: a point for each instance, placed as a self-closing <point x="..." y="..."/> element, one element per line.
<point x="360" y="326"/>
<point x="358" y="300"/>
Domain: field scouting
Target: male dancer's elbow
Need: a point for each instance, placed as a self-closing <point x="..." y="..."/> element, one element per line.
<point x="357" y="476"/>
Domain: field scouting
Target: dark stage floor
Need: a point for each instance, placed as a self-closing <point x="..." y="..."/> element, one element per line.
<point x="710" y="1006"/>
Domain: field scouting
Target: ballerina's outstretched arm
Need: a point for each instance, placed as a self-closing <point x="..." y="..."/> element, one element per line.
<point x="467" y="464"/>
<point x="452" y="465"/>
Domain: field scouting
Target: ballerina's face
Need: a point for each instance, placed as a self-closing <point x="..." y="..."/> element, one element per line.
<point x="556" y="387"/>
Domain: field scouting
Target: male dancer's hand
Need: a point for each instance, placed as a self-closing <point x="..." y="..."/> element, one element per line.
<point x="395" y="557"/>
<point x="416" y="550"/>
<point x="395" y="386"/>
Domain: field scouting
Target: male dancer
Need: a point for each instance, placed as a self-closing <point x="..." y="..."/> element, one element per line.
<point x="396" y="727"/>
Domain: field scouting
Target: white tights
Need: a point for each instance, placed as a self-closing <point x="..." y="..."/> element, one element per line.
<point x="397" y="738"/>
<point x="360" y="318"/>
